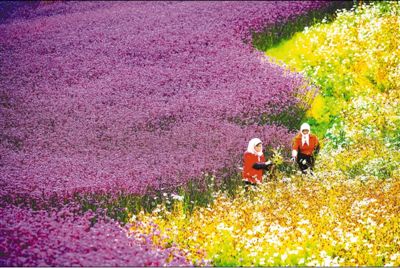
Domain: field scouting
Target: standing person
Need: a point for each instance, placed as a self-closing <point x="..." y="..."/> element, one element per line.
<point x="304" y="148"/>
<point x="254" y="163"/>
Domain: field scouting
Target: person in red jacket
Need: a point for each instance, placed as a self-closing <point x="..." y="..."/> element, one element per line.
<point x="304" y="148"/>
<point x="254" y="163"/>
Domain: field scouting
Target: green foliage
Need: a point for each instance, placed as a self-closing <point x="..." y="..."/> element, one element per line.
<point x="194" y="194"/>
<point x="273" y="35"/>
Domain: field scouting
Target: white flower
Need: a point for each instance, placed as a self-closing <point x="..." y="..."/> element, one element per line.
<point x="221" y="226"/>
<point x="304" y="222"/>
<point x="177" y="197"/>
<point x="395" y="256"/>
<point x="353" y="239"/>
<point x="157" y="210"/>
<point x="284" y="257"/>
<point x="371" y="222"/>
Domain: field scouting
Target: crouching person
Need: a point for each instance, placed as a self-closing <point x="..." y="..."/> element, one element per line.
<point x="254" y="163"/>
<point x="305" y="147"/>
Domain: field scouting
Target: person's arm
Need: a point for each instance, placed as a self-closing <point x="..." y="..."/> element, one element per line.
<point x="262" y="165"/>
<point x="295" y="148"/>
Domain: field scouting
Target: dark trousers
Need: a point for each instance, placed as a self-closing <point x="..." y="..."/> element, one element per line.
<point x="309" y="162"/>
<point x="248" y="185"/>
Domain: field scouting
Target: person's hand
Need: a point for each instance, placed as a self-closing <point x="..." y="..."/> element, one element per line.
<point x="268" y="162"/>
<point x="294" y="153"/>
<point x="304" y="162"/>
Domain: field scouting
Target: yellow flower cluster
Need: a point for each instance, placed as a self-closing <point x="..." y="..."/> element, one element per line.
<point x="320" y="221"/>
<point x="355" y="61"/>
<point x="356" y="54"/>
<point x="372" y="133"/>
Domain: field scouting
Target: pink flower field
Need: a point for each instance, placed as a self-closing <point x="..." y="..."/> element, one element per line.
<point x="61" y="239"/>
<point x="126" y="98"/>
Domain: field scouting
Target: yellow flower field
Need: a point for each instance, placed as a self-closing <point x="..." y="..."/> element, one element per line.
<point x="325" y="220"/>
<point x="355" y="61"/>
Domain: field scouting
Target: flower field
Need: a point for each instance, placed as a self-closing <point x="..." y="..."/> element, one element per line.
<point x="65" y="238"/>
<point x="123" y="125"/>
<point x="347" y="215"/>
<point x="355" y="62"/>
<point x="324" y="221"/>
<point x="135" y="103"/>
<point x="104" y="100"/>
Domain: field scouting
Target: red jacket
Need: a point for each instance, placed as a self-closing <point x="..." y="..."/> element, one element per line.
<point x="306" y="149"/>
<point x="249" y="173"/>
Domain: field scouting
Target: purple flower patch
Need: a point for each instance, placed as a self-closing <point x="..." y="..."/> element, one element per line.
<point x="104" y="96"/>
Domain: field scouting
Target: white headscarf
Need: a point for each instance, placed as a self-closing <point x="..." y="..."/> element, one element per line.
<point x="252" y="143"/>
<point x="305" y="138"/>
